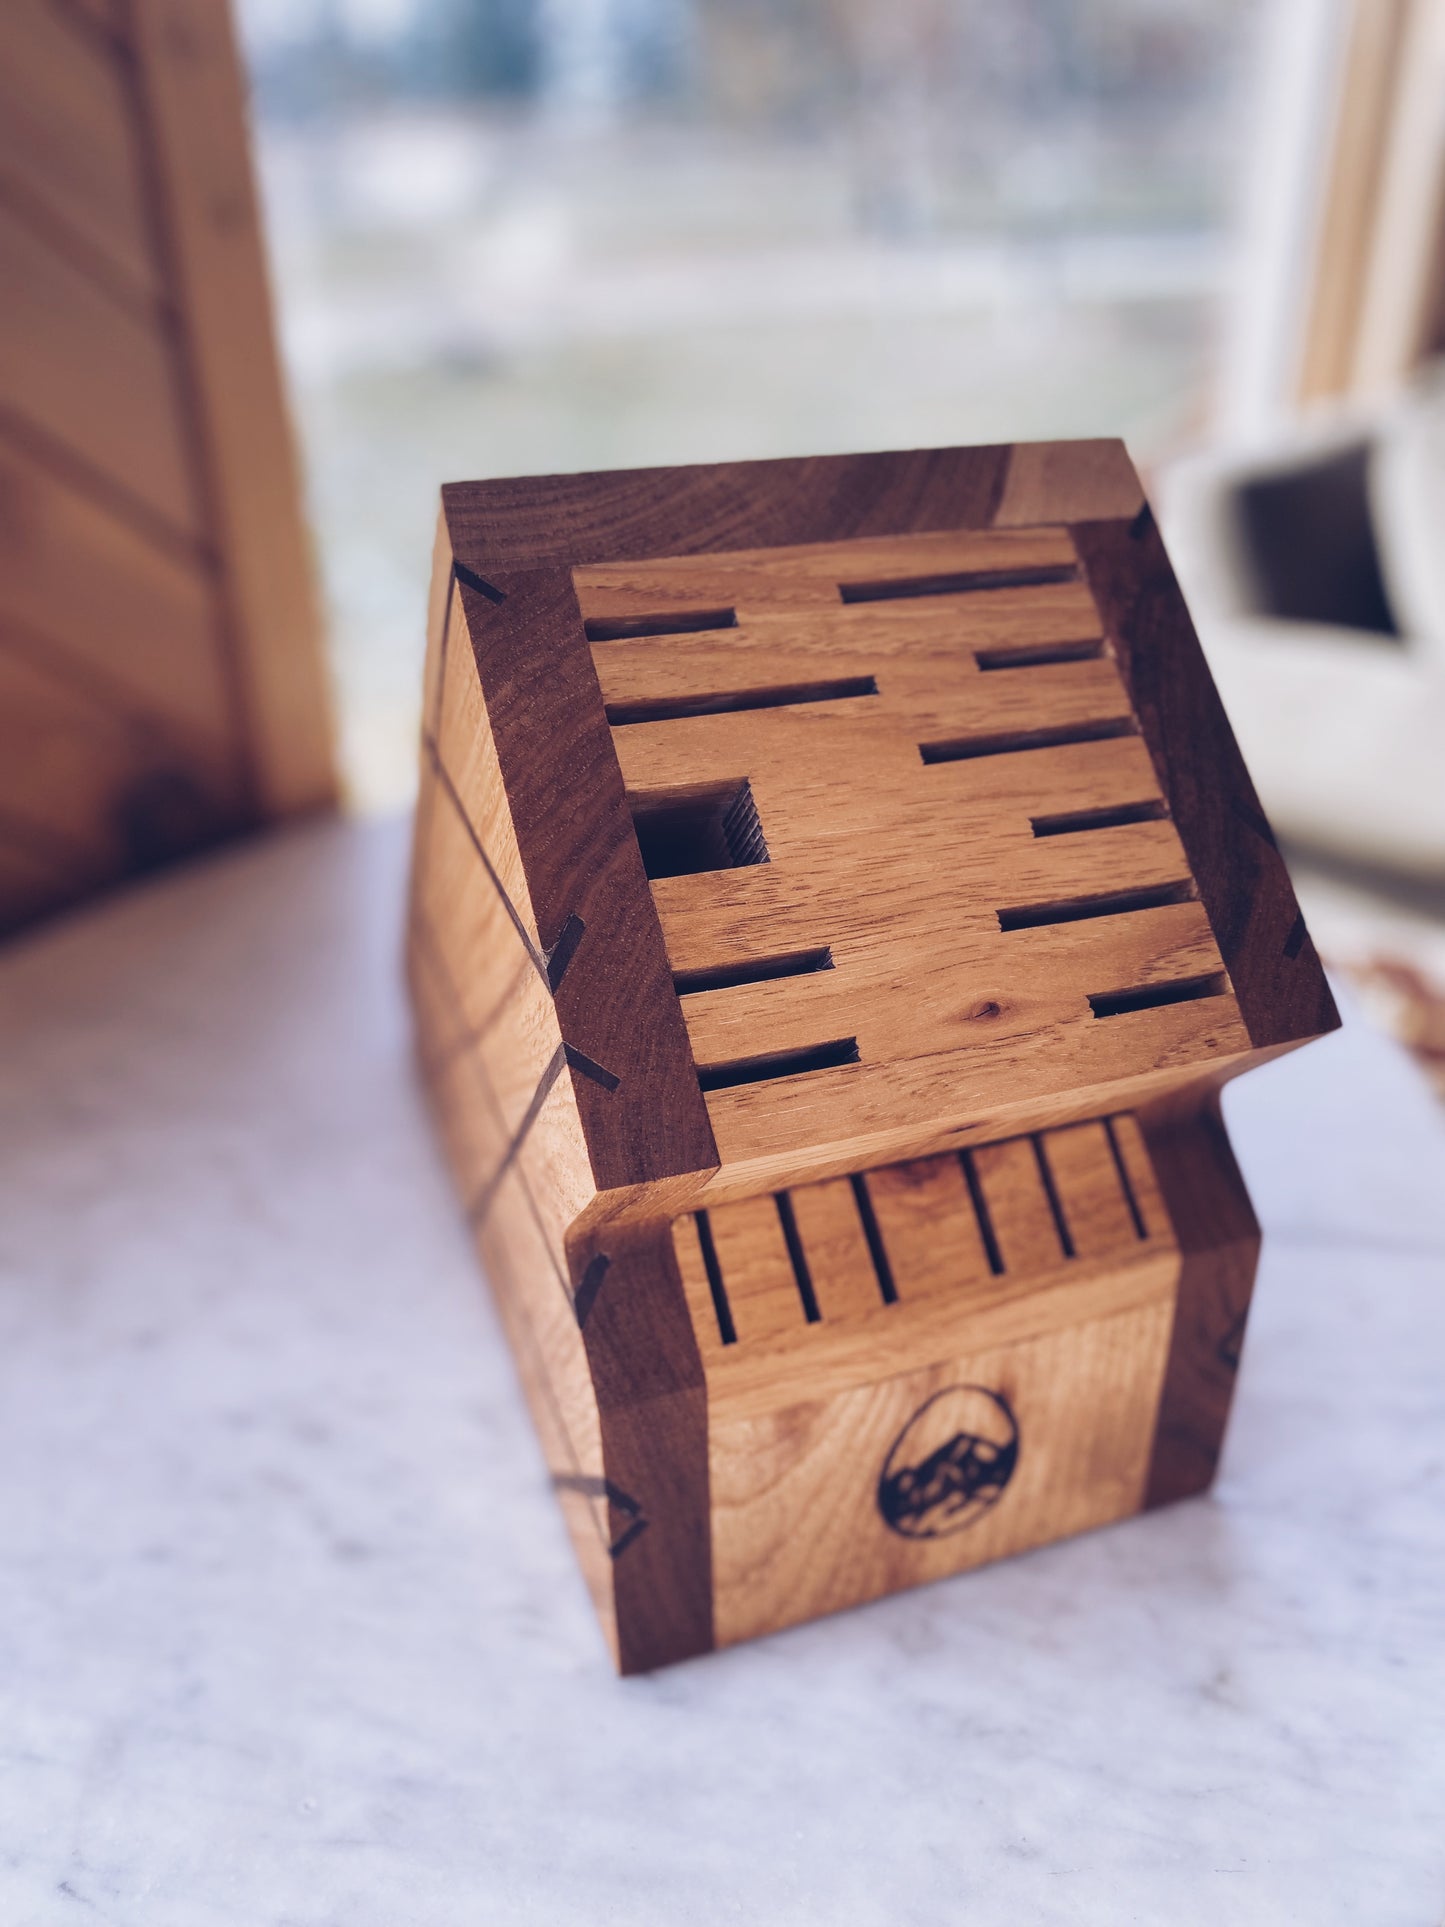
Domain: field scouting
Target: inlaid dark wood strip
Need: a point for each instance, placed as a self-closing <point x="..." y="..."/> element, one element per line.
<point x="1218" y="1237"/>
<point x="644" y="512"/>
<point x="652" y="1409"/>
<point x="1242" y="879"/>
<point x="615" y="1002"/>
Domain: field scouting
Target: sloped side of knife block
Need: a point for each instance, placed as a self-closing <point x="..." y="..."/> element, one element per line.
<point x="837" y="903"/>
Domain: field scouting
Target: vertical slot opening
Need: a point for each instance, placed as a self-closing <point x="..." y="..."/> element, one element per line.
<point x="757" y="970"/>
<point x="722" y="1310"/>
<point x="1071" y="822"/>
<point x="872" y="1232"/>
<point x="680" y="622"/>
<point x="801" y="1274"/>
<point x="687" y="832"/>
<point x="1051" y="1192"/>
<point x="1039" y="655"/>
<point x="1185" y="990"/>
<point x="957" y="582"/>
<point x="783" y="1063"/>
<point x="1113" y="903"/>
<point x="982" y="1213"/>
<point x="963" y="749"/>
<point x="1126" y="1183"/>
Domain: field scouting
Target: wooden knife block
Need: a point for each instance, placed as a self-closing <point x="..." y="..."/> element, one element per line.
<point x="837" y="903"/>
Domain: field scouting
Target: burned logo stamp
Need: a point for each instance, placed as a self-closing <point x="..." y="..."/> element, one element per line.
<point x="950" y="1463"/>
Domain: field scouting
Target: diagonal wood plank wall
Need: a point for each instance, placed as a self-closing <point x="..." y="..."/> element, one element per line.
<point x="161" y="677"/>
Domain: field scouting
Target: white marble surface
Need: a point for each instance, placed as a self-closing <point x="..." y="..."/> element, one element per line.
<point x="290" y="1634"/>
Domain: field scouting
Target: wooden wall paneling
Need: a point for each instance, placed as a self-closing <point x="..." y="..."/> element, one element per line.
<point x="152" y="546"/>
<point x="1402" y="294"/>
<point x="1369" y="72"/>
<point x="97" y="765"/>
<point x="193" y="93"/>
<point x="96" y="385"/>
<point x="72" y="155"/>
<point x="143" y="619"/>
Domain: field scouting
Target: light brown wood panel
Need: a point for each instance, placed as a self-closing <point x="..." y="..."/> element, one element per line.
<point x="960" y="920"/>
<point x="835" y="1247"/>
<point x="99" y="381"/>
<point x="807" y="574"/>
<point x="839" y="1119"/>
<point x="757" y="1272"/>
<point x="769" y="647"/>
<point x="1090" y="1191"/>
<point x="520" y="1238"/>
<point x="71" y="148"/>
<point x="60" y="743"/>
<point x="798" y="1530"/>
<point x="505" y="999"/>
<point x="193" y="95"/>
<point x="929" y="1227"/>
<point x="697" y="1287"/>
<point x="145" y="619"/>
<point x="466" y="769"/>
<point x="106" y="17"/>
<point x="1012" y="1184"/>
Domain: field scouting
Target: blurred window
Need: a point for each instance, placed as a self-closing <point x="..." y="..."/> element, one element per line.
<point x="514" y="236"/>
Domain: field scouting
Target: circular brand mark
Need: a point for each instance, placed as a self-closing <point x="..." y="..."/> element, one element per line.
<point x="950" y="1463"/>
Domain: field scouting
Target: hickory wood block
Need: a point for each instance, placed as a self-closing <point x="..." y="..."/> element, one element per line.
<point x="837" y="900"/>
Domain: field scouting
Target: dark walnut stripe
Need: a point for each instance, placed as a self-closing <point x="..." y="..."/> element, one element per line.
<point x="645" y="1117"/>
<point x="1243" y="882"/>
<point x="652" y="1408"/>
<point x="631" y="514"/>
<point x="1219" y="1248"/>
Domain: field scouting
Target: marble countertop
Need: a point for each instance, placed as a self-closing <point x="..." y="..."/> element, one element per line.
<point x="290" y="1632"/>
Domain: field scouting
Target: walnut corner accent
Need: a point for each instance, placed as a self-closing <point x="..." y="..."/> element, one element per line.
<point x="837" y="903"/>
<point x="162" y="685"/>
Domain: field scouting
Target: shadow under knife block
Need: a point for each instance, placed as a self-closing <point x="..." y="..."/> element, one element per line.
<point x="837" y="903"/>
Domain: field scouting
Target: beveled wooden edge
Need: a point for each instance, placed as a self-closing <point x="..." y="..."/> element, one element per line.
<point x="643" y="1114"/>
<point x="1243" y="883"/>
<point x="636" y="513"/>
<point x="1219" y="1241"/>
<point x="647" y="1374"/>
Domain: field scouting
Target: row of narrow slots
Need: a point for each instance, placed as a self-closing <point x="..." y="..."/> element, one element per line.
<point x="835" y="1052"/>
<point x="686" y="622"/>
<point x="833" y="689"/>
<point x="692" y="622"/>
<point x="877" y="1248"/>
<point x="716" y="826"/>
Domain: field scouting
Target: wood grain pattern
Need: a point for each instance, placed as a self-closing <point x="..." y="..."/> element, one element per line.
<point x="962" y="957"/>
<point x="158" y="631"/>
<point x="1243" y="883"/>
<point x="72" y="152"/>
<point x="853" y="901"/>
<point x="99" y="380"/>
<point x="642" y="1112"/>
<point x="193" y="92"/>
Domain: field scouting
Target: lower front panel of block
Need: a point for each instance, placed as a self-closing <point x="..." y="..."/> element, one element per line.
<point x="823" y="1504"/>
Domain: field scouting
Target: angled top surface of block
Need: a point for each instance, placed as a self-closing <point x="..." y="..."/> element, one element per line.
<point x="873" y="805"/>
